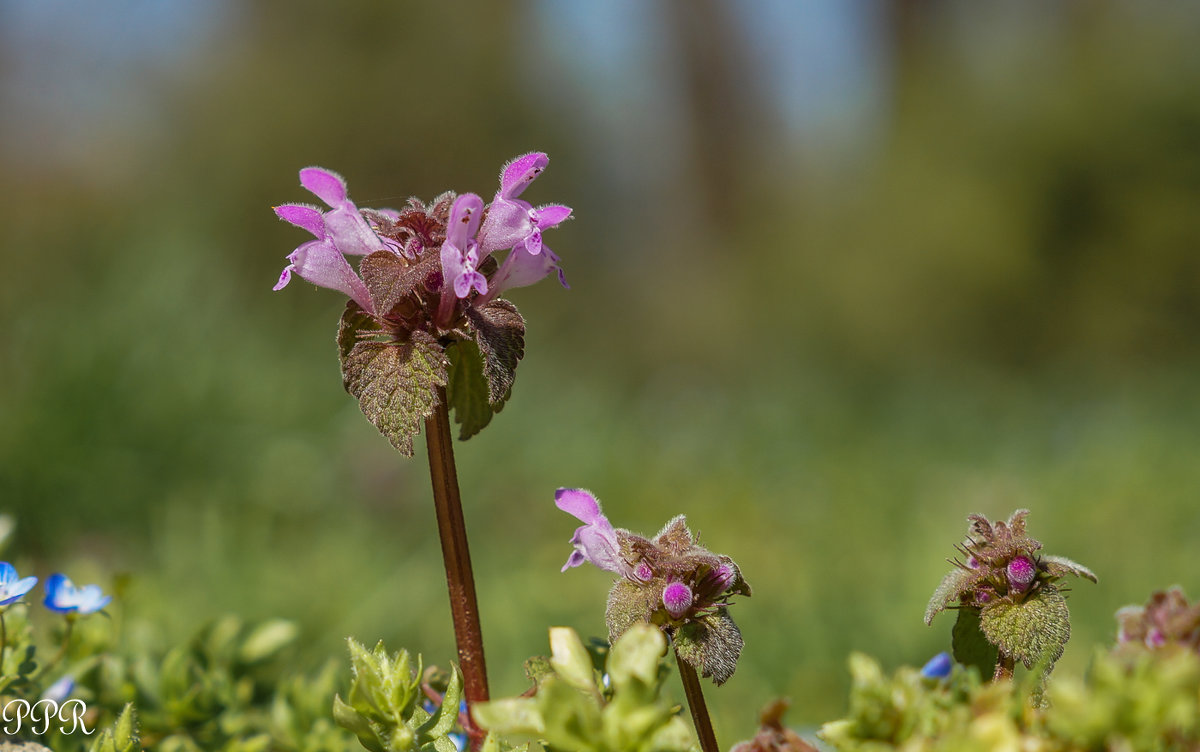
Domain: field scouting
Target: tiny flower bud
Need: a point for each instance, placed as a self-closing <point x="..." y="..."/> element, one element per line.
<point x="722" y="578"/>
<point x="643" y="572"/>
<point x="1021" y="573"/>
<point x="677" y="598"/>
<point x="983" y="596"/>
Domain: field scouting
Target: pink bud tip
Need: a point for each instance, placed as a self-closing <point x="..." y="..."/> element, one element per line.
<point x="677" y="598"/>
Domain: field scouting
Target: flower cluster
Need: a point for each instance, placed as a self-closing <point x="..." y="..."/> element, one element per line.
<point x="424" y="313"/>
<point x="464" y="231"/>
<point x="61" y="594"/>
<point x="1007" y="590"/>
<point x="1166" y="620"/>
<point x="669" y="581"/>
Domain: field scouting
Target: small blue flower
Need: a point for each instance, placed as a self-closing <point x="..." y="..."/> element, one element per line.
<point x="60" y="690"/>
<point x="62" y="596"/>
<point x="938" y="667"/>
<point x="11" y="588"/>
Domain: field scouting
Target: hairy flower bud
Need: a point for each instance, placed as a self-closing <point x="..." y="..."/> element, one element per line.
<point x="1021" y="573"/>
<point x="677" y="598"/>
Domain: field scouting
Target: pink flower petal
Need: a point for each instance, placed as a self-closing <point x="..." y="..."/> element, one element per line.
<point x="519" y="173"/>
<point x="302" y="216"/>
<point x="326" y="184"/>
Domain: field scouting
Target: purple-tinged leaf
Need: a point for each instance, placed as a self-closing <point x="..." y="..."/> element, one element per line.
<point x="500" y="333"/>
<point x="396" y="384"/>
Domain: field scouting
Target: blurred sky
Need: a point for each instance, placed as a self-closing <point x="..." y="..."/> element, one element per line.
<point x="77" y="73"/>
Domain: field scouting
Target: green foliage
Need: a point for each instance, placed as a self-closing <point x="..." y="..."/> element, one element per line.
<point x="467" y="388"/>
<point x="1148" y="703"/>
<point x="383" y="708"/>
<point x="971" y="647"/>
<point x="573" y="711"/>
<point x="122" y="736"/>
<point x="1034" y="630"/>
<point x="500" y="333"/>
<point x="712" y="644"/>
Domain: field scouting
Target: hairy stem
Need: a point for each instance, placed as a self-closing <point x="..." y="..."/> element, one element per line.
<point x="457" y="558"/>
<point x="1004" y="667"/>
<point x="695" y="698"/>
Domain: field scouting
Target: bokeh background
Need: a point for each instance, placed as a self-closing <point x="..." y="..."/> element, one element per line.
<point x="843" y="271"/>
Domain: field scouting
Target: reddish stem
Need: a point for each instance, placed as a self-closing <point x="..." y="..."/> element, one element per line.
<point x="457" y="558"/>
<point x="695" y="698"/>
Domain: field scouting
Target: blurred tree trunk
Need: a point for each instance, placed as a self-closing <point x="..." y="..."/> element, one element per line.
<point x="725" y="111"/>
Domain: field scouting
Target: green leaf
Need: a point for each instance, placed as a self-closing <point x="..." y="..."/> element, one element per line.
<point x="500" y="334"/>
<point x="636" y="656"/>
<point x="711" y="644"/>
<point x="570" y="659"/>
<point x="572" y="719"/>
<point x="467" y="388"/>
<point x="1033" y="631"/>
<point x="390" y="278"/>
<point x="628" y="604"/>
<point x="516" y="716"/>
<point x="444" y="719"/>
<point x="971" y="646"/>
<point x="268" y="639"/>
<point x="350" y="719"/>
<point x="396" y="384"/>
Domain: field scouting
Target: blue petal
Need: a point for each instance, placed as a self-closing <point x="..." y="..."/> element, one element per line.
<point x="60" y="594"/>
<point x="938" y="667"/>
<point x="8" y="573"/>
<point x="90" y="599"/>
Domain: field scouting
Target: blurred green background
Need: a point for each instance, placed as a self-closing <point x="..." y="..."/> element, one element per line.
<point x="842" y="273"/>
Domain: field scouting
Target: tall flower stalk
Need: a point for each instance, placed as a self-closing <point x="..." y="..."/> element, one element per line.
<point x="425" y="330"/>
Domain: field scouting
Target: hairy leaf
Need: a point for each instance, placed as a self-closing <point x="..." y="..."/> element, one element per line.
<point x="711" y="644"/>
<point x="628" y="604"/>
<point x="467" y="389"/>
<point x="1032" y="631"/>
<point x="389" y="278"/>
<point x="953" y="585"/>
<point x="355" y="324"/>
<point x="970" y="645"/>
<point x="396" y="384"/>
<point x="500" y="333"/>
<point x="1060" y="566"/>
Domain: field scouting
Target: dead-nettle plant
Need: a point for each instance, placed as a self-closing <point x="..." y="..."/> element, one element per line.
<point x="671" y="582"/>
<point x="1166" y="622"/>
<point x="425" y="329"/>
<point x="1011" y="605"/>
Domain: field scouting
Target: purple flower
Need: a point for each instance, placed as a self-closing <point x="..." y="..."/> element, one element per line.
<point x="938" y="667"/>
<point x="595" y="540"/>
<point x="515" y="223"/>
<point x="677" y="599"/>
<point x="62" y="596"/>
<point x="13" y="589"/>
<point x="339" y="231"/>
<point x="460" y="252"/>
